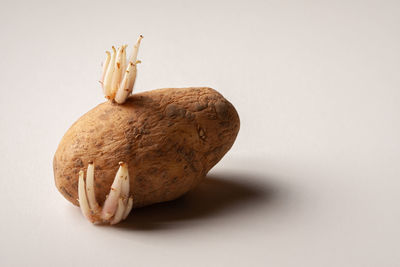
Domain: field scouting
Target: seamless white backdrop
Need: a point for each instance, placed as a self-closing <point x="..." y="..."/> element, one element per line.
<point x="312" y="180"/>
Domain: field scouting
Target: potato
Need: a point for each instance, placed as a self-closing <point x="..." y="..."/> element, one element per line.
<point x="170" y="139"/>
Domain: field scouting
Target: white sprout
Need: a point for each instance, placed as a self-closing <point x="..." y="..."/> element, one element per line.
<point x="83" y="203"/>
<point x="117" y="205"/>
<point x="118" y="76"/>
<point x="105" y="67"/>
<point x="90" y="188"/>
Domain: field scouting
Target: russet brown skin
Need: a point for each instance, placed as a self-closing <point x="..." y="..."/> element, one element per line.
<point x="170" y="139"/>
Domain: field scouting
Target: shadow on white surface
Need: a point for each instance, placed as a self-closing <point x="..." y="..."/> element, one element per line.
<point x="217" y="196"/>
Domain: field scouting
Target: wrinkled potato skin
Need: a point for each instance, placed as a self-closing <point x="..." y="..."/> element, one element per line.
<point x="170" y="139"/>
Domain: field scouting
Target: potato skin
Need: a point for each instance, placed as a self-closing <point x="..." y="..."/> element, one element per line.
<point x="170" y="139"/>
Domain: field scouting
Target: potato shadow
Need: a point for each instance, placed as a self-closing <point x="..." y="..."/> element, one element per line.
<point x="217" y="195"/>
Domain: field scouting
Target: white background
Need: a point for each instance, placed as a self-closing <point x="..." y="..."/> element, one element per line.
<point x="312" y="180"/>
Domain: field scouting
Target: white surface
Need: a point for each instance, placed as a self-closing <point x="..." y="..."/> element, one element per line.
<point x="313" y="179"/>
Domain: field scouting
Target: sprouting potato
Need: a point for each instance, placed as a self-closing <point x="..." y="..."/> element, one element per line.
<point x="161" y="144"/>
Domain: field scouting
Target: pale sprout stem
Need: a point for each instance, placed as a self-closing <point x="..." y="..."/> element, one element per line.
<point x="119" y="213"/>
<point x="132" y="79"/>
<point x="123" y="62"/>
<point x="128" y="208"/>
<point x="94" y="206"/>
<point x="135" y="50"/>
<point x="109" y="75"/>
<point x="117" y="205"/>
<point x="125" y="87"/>
<point x="119" y="76"/>
<point x="105" y="67"/>
<point x="111" y="203"/>
<point x="83" y="203"/>
<point x="117" y="72"/>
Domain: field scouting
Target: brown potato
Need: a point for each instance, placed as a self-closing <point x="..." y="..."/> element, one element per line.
<point x="170" y="139"/>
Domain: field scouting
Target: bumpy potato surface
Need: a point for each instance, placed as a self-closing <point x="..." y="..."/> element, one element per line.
<point x="170" y="139"/>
